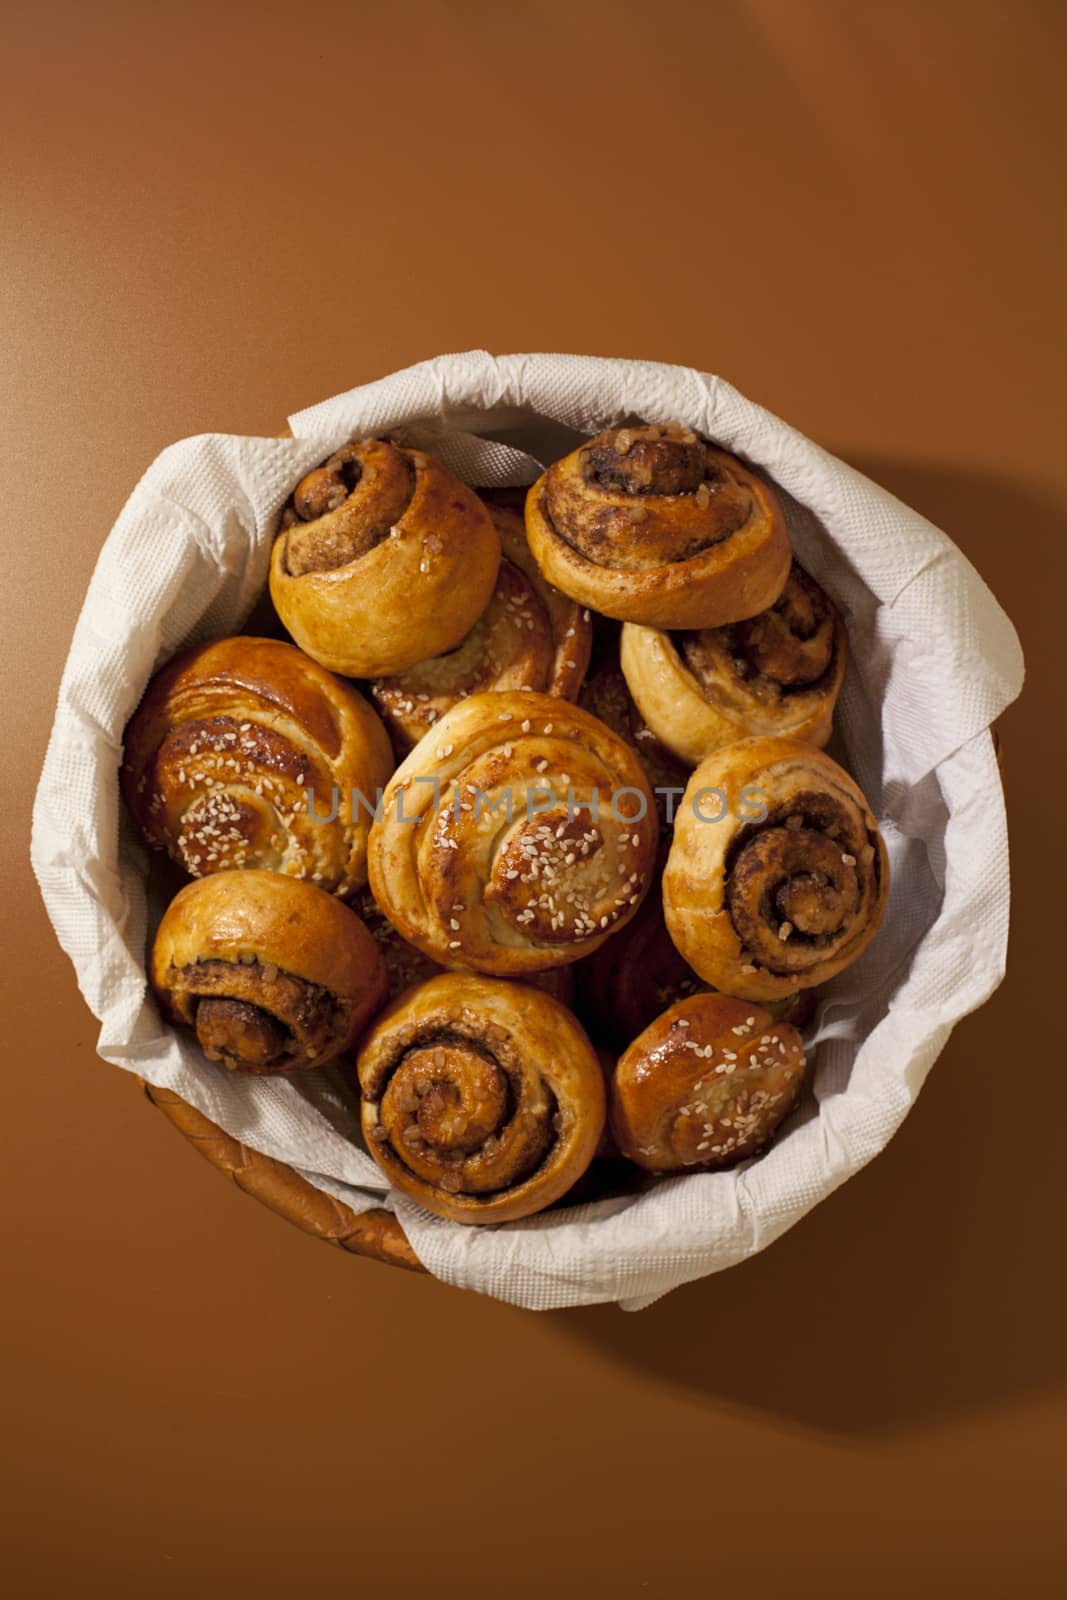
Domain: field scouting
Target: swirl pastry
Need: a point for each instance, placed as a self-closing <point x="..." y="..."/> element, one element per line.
<point x="777" y="673"/>
<point x="482" y="1100"/>
<point x="244" y="753"/>
<point x="384" y="558"/>
<point x="272" y="973"/>
<point x="705" y="1086"/>
<point x="777" y="876"/>
<point x="528" y="637"/>
<point x="515" y="837"/>
<point x="652" y="525"/>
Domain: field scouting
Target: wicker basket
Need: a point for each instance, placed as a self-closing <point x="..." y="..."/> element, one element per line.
<point x="375" y="1233"/>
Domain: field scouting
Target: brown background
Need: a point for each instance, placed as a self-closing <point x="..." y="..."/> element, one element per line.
<point x="214" y="214"/>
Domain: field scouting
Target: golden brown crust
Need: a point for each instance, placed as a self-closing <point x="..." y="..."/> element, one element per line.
<point x="233" y="747"/>
<point x="778" y="673"/>
<point x="705" y="1085"/>
<point x="528" y="637"/>
<point x="482" y="1100"/>
<point x="652" y="525"/>
<point x="272" y="973"/>
<point x="473" y="887"/>
<point x="762" y="908"/>
<point x="396" y="563"/>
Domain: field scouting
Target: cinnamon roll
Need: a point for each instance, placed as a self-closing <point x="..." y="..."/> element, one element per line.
<point x="777" y="673"/>
<point x="482" y="1100"/>
<point x="528" y="637"/>
<point x="777" y="876"/>
<point x="705" y="1086"/>
<point x="652" y="525"/>
<point x="384" y="558"/>
<point x="272" y="973"/>
<point x="244" y="753"/>
<point x="515" y="837"/>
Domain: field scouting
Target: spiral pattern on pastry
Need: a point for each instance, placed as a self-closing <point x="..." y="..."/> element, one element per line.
<point x="515" y="837"/>
<point x="763" y="905"/>
<point x="482" y="1100"/>
<point x="272" y="973"/>
<point x="383" y="558"/>
<point x="652" y="525"/>
<point x="245" y="753"/>
<point x="778" y="673"/>
<point x="529" y="637"/>
<point x="706" y="1085"/>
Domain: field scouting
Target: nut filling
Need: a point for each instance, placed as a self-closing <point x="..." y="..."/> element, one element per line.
<point x="788" y="650"/>
<point x="459" y="1113"/>
<point x="645" y="497"/>
<point x="801" y="885"/>
<point x="251" y="1015"/>
<point x="344" y="508"/>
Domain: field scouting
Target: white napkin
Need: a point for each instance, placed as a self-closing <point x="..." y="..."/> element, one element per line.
<point x="934" y="661"/>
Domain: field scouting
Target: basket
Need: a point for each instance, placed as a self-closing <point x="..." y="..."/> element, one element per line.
<point x="187" y="559"/>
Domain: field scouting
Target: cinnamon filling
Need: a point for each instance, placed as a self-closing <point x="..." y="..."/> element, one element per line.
<point x="645" y="497"/>
<point x="248" y="1011"/>
<point x="346" y="507"/>
<point x="645" y="461"/>
<point x="456" y="1115"/>
<point x="234" y="1030"/>
<point x="783" y="650"/>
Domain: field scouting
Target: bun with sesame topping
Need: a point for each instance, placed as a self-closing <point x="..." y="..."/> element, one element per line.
<point x="777" y="875"/>
<point x="528" y="637"/>
<point x="482" y="1100"/>
<point x="653" y="525"/>
<point x="516" y="836"/>
<point x="705" y="1085"/>
<point x="383" y="558"/>
<point x="272" y="973"/>
<point x="245" y="753"/>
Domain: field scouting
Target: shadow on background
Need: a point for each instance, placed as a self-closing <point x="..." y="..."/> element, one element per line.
<point x="931" y="1285"/>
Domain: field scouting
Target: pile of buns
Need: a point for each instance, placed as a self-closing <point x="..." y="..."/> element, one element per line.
<point x="529" y="830"/>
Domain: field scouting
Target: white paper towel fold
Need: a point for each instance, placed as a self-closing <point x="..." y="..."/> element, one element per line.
<point x="934" y="662"/>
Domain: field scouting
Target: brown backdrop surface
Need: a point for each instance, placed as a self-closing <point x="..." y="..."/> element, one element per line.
<point x="215" y="214"/>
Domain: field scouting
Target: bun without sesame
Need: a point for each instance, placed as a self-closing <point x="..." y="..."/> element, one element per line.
<point x="272" y="973"/>
<point x="652" y="525"/>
